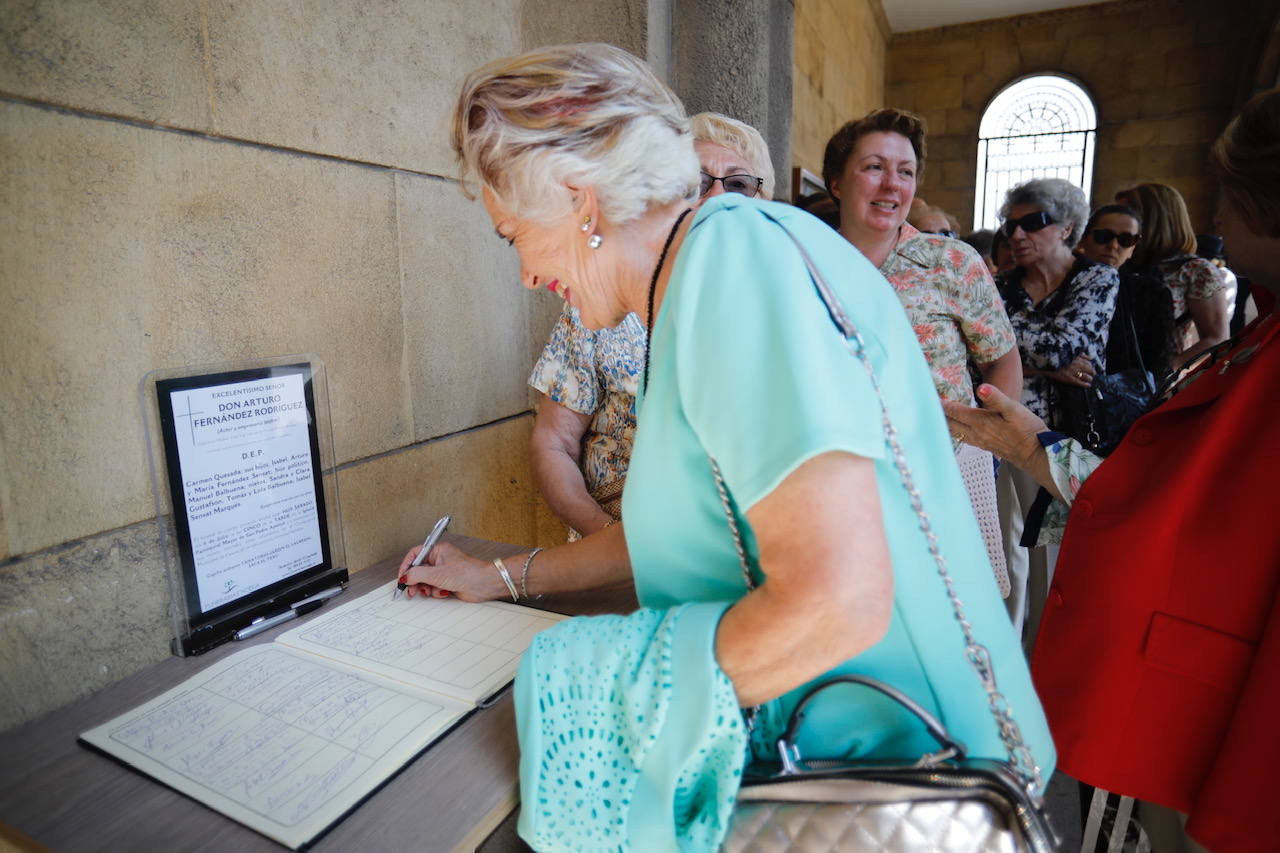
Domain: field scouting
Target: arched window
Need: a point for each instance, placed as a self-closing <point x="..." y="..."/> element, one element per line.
<point x="1038" y="127"/>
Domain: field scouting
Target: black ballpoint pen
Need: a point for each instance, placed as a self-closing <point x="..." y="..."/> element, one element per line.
<point x="432" y="538"/>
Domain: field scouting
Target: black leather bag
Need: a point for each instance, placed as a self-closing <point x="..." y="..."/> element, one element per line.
<point x="1100" y="415"/>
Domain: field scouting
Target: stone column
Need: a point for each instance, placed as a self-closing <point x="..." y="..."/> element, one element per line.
<point x="734" y="57"/>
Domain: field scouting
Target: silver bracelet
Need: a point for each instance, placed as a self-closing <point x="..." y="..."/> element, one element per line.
<point x="524" y="573"/>
<point x="506" y="578"/>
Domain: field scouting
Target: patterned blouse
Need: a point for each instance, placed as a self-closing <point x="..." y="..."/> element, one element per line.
<point x="1189" y="277"/>
<point x="595" y="373"/>
<point x="1071" y="321"/>
<point x="1070" y="464"/>
<point x="953" y="307"/>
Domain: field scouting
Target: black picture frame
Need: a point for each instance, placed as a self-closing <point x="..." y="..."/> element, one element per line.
<point x="206" y="629"/>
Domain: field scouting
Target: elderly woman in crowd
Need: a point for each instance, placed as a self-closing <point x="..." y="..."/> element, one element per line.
<point x="1060" y="306"/>
<point x="758" y="430"/>
<point x="1167" y="251"/>
<point x="1178" y="621"/>
<point x="586" y="421"/>
<point x="872" y="166"/>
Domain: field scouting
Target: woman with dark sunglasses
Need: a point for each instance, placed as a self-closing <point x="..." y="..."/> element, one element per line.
<point x="1159" y="655"/>
<point x="1144" y="305"/>
<point x="581" y="442"/>
<point x="1060" y="307"/>
<point x="1111" y="235"/>
<point x="871" y="167"/>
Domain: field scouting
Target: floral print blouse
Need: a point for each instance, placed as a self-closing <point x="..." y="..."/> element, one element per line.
<point x="1070" y="464"/>
<point x="953" y="307"/>
<point x="595" y="373"/>
<point x="1189" y="277"/>
<point x="1071" y="321"/>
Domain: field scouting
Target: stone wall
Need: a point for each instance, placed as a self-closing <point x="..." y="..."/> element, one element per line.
<point x="1163" y="75"/>
<point x="839" y="73"/>
<point x="183" y="184"/>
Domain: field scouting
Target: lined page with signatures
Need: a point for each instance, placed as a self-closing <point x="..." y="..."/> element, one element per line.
<point x="440" y="644"/>
<point x="277" y="740"/>
<point x="287" y="736"/>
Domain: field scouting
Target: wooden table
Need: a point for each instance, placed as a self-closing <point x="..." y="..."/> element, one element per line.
<point x="61" y="794"/>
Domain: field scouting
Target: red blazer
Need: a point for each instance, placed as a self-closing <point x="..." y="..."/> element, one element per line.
<point x="1158" y="657"/>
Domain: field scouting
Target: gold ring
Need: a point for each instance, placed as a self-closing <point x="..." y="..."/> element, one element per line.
<point x="1079" y="374"/>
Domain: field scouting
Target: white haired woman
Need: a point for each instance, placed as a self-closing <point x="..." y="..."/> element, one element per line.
<point x="630" y="727"/>
<point x="1060" y="306"/>
<point x="586" y="422"/>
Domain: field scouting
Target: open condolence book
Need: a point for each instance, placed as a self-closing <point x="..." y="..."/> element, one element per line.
<point x="287" y="737"/>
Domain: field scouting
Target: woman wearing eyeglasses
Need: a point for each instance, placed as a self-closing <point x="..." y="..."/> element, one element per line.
<point x="1111" y="236"/>
<point x="872" y="166"/>
<point x="1159" y="656"/>
<point x="581" y="443"/>
<point x="1060" y="306"/>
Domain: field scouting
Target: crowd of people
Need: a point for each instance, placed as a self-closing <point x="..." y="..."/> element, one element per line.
<point x="780" y="466"/>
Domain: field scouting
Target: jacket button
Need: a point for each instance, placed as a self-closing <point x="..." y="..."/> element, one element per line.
<point x="1084" y="508"/>
<point x="1142" y="436"/>
<point x="1057" y="597"/>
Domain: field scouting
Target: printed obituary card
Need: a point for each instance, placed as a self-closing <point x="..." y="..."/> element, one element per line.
<point x="244" y="474"/>
<point x="287" y="737"/>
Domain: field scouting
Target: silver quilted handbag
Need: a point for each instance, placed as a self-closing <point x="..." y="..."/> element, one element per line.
<point x="943" y="802"/>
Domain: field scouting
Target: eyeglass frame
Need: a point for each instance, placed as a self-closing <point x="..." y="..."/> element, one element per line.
<point x="705" y="174"/>
<point x="1039" y="221"/>
<point x="1115" y="237"/>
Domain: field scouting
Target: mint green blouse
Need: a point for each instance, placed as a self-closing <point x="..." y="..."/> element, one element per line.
<point x="747" y="365"/>
<point x="630" y="734"/>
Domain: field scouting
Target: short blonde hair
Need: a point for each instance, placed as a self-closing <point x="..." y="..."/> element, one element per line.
<point x="1166" y="225"/>
<point x="583" y="115"/>
<point x="742" y="139"/>
<point x="1246" y="159"/>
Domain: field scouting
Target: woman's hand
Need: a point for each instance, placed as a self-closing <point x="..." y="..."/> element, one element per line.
<point x="448" y="571"/>
<point x="1079" y="372"/>
<point x="1005" y="427"/>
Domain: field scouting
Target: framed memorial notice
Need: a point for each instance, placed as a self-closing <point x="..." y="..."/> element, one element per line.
<point x="245" y="492"/>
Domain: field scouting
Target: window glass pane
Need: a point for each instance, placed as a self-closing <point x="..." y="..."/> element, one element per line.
<point x="1039" y="127"/>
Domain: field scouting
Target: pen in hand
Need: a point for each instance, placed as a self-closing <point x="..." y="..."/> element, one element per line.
<point x="432" y="538"/>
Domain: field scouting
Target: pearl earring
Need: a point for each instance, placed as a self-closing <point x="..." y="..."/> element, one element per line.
<point x="586" y="225"/>
<point x="594" y="241"/>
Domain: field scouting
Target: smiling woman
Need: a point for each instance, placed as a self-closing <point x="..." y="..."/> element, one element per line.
<point x="586" y="423"/>
<point x="766" y="524"/>
<point x="871" y="167"/>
